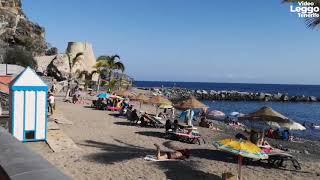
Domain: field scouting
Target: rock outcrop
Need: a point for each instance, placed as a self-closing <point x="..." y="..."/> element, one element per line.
<point x="57" y="66"/>
<point x="43" y="62"/>
<point x="16" y="29"/>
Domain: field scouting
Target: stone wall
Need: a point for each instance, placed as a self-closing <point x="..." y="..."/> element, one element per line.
<point x="20" y="162"/>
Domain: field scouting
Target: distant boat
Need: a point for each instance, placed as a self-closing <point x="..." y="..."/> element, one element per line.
<point x="315" y="126"/>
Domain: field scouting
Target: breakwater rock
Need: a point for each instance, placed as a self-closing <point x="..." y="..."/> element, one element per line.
<point x="182" y="93"/>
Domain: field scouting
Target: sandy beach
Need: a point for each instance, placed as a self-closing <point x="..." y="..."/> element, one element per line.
<point x="113" y="149"/>
<point x="249" y="72"/>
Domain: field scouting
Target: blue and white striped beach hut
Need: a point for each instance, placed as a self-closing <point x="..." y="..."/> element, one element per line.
<point x="28" y="107"/>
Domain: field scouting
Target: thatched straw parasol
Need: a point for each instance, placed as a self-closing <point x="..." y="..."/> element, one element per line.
<point x="191" y="103"/>
<point x="267" y="117"/>
<point x="266" y="114"/>
<point x="160" y="100"/>
<point x="292" y="126"/>
<point x="125" y="93"/>
<point x="141" y="98"/>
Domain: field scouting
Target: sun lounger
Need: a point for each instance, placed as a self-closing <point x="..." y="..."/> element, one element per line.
<point x="159" y="121"/>
<point x="111" y="108"/>
<point x="154" y="158"/>
<point x="277" y="158"/>
<point x="151" y="121"/>
<point x="186" y="127"/>
<point x="99" y="105"/>
<point x="192" y="138"/>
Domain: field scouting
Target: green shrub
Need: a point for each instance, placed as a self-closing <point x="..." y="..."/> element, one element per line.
<point x="20" y="56"/>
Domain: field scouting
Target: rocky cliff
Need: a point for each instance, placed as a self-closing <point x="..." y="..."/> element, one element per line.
<point x="17" y="29"/>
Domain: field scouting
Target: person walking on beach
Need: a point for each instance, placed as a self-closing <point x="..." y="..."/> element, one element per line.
<point x="189" y="117"/>
<point x="53" y="88"/>
<point x="51" y="103"/>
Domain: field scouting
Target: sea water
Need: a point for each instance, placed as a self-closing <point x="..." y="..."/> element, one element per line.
<point x="307" y="113"/>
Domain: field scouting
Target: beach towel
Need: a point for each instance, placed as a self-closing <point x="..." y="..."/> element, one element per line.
<point x="154" y="158"/>
<point x="114" y="108"/>
<point x="192" y="136"/>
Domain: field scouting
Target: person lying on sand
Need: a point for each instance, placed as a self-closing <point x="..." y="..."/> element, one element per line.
<point x="205" y="123"/>
<point x="264" y="144"/>
<point x="178" y="154"/>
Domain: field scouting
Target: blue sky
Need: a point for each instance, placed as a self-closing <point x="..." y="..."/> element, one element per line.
<point x="195" y="40"/>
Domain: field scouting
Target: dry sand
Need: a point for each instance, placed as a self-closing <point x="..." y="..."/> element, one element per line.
<point x="112" y="149"/>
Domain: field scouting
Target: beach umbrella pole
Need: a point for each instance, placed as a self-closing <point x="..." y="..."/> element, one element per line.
<point x="263" y="134"/>
<point x="157" y="111"/>
<point x="239" y="166"/>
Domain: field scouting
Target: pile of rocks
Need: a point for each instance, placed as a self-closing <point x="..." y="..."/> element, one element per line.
<point x="182" y="93"/>
<point x="57" y="65"/>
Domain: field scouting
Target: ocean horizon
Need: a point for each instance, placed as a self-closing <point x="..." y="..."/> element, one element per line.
<point x="167" y="81"/>
<point x="291" y="89"/>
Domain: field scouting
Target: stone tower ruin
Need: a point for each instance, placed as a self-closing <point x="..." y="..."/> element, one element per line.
<point x="89" y="59"/>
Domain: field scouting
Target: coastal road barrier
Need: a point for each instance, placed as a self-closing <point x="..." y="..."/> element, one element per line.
<point x="18" y="162"/>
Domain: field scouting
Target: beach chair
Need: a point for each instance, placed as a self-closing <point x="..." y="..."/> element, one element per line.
<point x="277" y="159"/>
<point x="158" y="123"/>
<point x="192" y="138"/>
<point x="112" y="108"/>
<point x="150" y="121"/>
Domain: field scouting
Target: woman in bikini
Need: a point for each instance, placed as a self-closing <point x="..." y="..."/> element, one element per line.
<point x="178" y="154"/>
